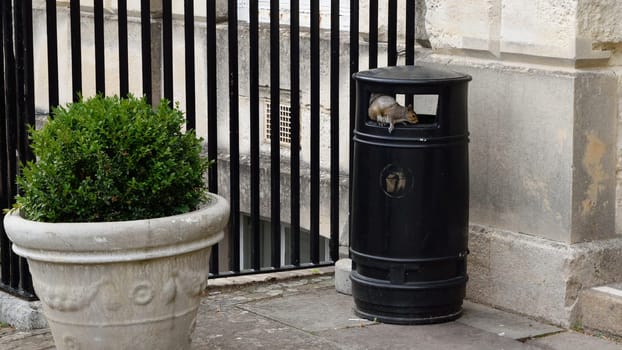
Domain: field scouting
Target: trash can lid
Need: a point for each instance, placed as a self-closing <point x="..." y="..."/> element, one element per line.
<point x="410" y="75"/>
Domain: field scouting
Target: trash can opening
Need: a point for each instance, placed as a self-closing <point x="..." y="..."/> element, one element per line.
<point x="402" y="110"/>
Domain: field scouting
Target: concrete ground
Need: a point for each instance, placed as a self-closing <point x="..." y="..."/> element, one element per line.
<point x="307" y="313"/>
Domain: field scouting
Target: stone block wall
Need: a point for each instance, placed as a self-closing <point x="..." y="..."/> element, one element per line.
<point x="545" y="148"/>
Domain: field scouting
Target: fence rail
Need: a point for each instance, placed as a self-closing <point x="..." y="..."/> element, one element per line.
<point x="157" y="25"/>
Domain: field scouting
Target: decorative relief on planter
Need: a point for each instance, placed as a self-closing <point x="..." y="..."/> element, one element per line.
<point x="190" y="283"/>
<point x="71" y="298"/>
<point x="169" y="291"/>
<point x="68" y="298"/>
<point x="142" y="293"/>
<point x="71" y="343"/>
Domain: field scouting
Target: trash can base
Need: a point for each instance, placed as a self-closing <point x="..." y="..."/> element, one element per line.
<point x="403" y="320"/>
<point x="414" y="303"/>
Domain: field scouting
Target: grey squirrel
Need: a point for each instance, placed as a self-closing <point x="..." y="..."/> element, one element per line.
<point x="384" y="109"/>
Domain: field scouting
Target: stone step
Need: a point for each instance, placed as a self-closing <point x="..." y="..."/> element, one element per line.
<point x="601" y="309"/>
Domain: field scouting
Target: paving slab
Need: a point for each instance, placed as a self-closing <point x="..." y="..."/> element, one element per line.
<point x="316" y="311"/>
<point x="503" y="323"/>
<point x="446" y="336"/>
<point x="573" y="340"/>
<point x="240" y="329"/>
<point x="307" y="313"/>
<point x="328" y="314"/>
<point x="12" y="339"/>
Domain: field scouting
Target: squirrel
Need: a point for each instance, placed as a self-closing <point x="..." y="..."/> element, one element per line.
<point x="385" y="110"/>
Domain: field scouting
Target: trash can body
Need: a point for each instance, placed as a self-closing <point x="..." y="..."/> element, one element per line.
<point x="410" y="193"/>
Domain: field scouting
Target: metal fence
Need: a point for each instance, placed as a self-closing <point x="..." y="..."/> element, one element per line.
<point x="17" y="105"/>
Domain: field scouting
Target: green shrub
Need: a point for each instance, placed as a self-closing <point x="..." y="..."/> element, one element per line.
<point x="110" y="159"/>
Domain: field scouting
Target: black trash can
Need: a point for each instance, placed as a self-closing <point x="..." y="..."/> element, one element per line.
<point x="410" y="195"/>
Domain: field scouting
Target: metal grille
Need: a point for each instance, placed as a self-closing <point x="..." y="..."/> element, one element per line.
<point x="17" y="107"/>
<point x="285" y="124"/>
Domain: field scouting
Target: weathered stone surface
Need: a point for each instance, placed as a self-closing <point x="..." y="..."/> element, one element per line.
<point x="447" y="336"/>
<point x="601" y="309"/>
<point x="572" y="340"/>
<point x="343" y="284"/>
<point x="504" y="324"/>
<point x="598" y="20"/>
<point x="464" y="24"/>
<point x="41" y="339"/>
<point x="542" y="148"/>
<point x="538" y="277"/>
<point x="540" y="28"/>
<point x="21" y="314"/>
<point x="308" y="316"/>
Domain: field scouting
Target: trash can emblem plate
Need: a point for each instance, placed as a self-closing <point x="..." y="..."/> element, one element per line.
<point x="396" y="181"/>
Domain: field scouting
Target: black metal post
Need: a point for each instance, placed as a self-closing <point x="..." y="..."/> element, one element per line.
<point x="124" y="83"/>
<point x="100" y="63"/>
<point x="212" y="115"/>
<point x="275" y="144"/>
<point x="373" y="34"/>
<point x="167" y="50"/>
<point x="315" y="132"/>
<point x="52" y="43"/>
<point x="334" y="130"/>
<point x="234" y="137"/>
<point x="255" y="244"/>
<point x="76" y="49"/>
<point x="145" y="38"/>
<point x="295" y="132"/>
<point x="189" y="52"/>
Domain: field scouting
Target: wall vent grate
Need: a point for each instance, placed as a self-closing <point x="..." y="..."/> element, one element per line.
<point x="285" y="124"/>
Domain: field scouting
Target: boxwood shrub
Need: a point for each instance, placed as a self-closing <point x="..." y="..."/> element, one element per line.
<point x="111" y="159"/>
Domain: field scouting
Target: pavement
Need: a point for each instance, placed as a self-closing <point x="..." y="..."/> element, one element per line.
<point x="282" y="312"/>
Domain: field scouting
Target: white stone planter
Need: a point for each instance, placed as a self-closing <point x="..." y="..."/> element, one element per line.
<point x="121" y="285"/>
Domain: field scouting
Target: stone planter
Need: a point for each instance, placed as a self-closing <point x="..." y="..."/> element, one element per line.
<point x="121" y="285"/>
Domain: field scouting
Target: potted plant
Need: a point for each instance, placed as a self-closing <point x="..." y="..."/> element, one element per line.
<point x="116" y="223"/>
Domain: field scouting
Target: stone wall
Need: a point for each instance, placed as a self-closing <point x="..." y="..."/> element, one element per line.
<point x="545" y="147"/>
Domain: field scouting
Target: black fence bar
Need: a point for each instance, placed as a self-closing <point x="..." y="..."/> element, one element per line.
<point x="295" y="132"/>
<point x="29" y="76"/>
<point x="5" y="195"/>
<point x="392" y="34"/>
<point x="100" y="57"/>
<point x="212" y="96"/>
<point x="410" y="32"/>
<point x="373" y="34"/>
<point x="315" y="133"/>
<point x="212" y="114"/>
<point x="10" y="84"/>
<point x="253" y="36"/>
<point x="334" y="130"/>
<point x="234" y="137"/>
<point x="21" y="126"/>
<point x="145" y="41"/>
<point x="76" y="49"/>
<point x="167" y="50"/>
<point x="52" y="43"/>
<point x="354" y="67"/>
<point x="410" y="41"/>
<point x="124" y="84"/>
<point x="190" y="78"/>
<point x="22" y="14"/>
<point x="275" y="143"/>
